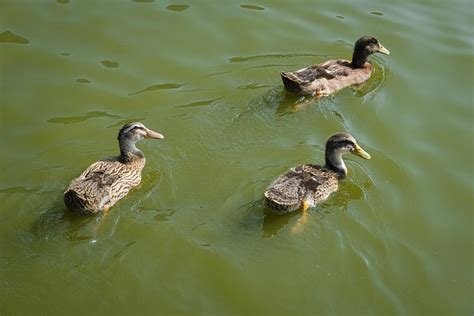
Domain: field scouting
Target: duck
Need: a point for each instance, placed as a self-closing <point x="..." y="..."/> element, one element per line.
<point x="307" y="185"/>
<point x="333" y="75"/>
<point x="107" y="181"/>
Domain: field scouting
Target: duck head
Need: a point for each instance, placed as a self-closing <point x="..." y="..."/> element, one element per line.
<point x="364" y="47"/>
<point x="337" y="145"/>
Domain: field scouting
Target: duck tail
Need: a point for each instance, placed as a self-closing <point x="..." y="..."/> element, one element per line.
<point x="289" y="83"/>
<point x="75" y="203"/>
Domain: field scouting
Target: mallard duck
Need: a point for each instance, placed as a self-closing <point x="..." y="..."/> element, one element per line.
<point x="306" y="185"/>
<point x="108" y="180"/>
<point x="333" y="75"/>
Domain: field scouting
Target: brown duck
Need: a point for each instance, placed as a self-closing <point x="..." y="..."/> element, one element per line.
<point x="306" y="185"/>
<point x="108" y="180"/>
<point x="333" y="75"/>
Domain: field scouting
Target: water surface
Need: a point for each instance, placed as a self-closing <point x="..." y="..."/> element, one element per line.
<point x="193" y="237"/>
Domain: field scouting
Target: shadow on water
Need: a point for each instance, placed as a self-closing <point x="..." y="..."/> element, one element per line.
<point x="273" y="223"/>
<point x="58" y="221"/>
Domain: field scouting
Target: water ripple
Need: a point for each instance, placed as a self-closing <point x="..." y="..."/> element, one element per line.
<point x="81" y="118"/>
<point x="198" y="103"/>
<point x="160" y="86"/>
<point x="10" y="37"/>
<point x="240" y="59"/>
<point x="177" y="7"/>
<point x="110" y="63"/>
<point x="252" y="7"/>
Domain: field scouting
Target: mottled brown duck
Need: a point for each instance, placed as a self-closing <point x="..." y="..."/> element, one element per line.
<point x="306" y="185"/>
<point x="333" y="75"/>
<point x="108" y="180"/>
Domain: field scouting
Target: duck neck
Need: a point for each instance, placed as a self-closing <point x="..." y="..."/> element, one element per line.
<point x="335" y="163"/>
<point x="128" y="150"/>
<point x="359" y="58"/>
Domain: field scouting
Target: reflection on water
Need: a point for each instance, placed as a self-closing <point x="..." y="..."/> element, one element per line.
<point x="74" y="228"/>
<point x="10" y="37"/>
<point x="273" y="223"/>
<point x="59" y="221"/>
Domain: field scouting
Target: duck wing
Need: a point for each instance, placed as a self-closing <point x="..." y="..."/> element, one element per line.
<point x="298" y="81"/>
<point x="312" y="73"/>
<point x="303" y="182"/>
<point x="322" y="183"/>
<point x="102" y="184"/>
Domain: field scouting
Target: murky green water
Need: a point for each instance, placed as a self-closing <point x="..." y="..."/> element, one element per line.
<point x="193" y="239"/>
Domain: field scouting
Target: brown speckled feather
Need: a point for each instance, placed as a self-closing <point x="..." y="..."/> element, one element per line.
<point x="103" y="184"/>
<point x="325" y="78"/>
<point x="305" y="182"/>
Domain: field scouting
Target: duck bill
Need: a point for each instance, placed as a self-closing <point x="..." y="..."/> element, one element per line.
<point x="153" y="134"/>
<point x="383" y="50"/>
<point x="360" y="152"/>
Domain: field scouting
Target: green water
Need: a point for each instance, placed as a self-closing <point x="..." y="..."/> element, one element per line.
<point x="192" y="238"/>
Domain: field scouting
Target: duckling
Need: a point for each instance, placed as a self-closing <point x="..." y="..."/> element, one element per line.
<point x="108" y="180"/>
<point x="333" y="75"/>
<point x="306" y="185"/>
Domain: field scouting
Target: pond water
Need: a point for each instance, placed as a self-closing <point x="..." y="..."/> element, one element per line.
<point x="193" y="237"/>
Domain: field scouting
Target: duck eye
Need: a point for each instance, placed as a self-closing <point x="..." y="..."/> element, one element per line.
<point x="350" y="146"/>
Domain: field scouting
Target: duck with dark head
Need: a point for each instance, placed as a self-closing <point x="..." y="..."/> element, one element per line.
<point x="108" y="180"/>
<point x="335" y="74"/>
